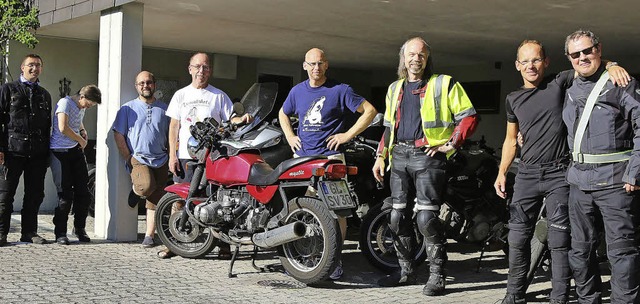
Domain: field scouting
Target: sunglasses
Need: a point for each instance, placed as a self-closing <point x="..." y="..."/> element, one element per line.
<point x="586" y="52"/>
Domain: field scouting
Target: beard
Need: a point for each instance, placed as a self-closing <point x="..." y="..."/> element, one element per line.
<point x="147" y="93"/>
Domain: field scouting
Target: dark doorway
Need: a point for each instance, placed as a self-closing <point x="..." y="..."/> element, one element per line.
<point x="285" y="83"/>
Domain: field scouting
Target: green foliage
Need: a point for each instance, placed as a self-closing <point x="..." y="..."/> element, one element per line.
<point x="19" y="19"/>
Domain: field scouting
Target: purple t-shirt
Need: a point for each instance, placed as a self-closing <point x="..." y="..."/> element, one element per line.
<point x="321" y="112"/>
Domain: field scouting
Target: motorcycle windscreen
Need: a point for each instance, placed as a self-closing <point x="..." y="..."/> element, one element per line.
<point x="258" y="102"/>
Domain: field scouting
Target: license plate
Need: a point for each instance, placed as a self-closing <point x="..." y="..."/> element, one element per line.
<point x="336" y="194"/>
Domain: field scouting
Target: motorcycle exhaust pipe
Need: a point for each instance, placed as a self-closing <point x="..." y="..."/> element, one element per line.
<point x="280" y="235"/>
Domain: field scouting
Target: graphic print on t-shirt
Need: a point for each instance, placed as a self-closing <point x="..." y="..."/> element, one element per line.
<point x="313" y="118"/>
<point x="192" y="116"/>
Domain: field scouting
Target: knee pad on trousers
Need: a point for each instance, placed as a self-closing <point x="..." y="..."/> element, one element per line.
<point x="399" y="223"/>
<point x="430" y="226"/>
<point x="558" y="237"/>
<point x="579" y="255"/>
<point x="519" y="235"/>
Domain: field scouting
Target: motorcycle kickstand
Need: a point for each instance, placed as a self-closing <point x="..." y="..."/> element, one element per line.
<point x="482" y="250"/>
<point x="268" y="268"/>
<point x="233" y="260"/>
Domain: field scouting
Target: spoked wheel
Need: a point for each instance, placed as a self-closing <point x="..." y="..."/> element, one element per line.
<point x="376" y="241"/>
<point x="91" y="186"/>
<point x="310" y="259"/>
<point x="194" y="241"/>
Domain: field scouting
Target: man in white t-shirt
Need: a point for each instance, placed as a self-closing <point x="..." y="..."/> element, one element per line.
<point x="189" y="105"/>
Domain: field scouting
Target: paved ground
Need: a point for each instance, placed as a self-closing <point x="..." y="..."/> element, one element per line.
<point x="107" y="272"/>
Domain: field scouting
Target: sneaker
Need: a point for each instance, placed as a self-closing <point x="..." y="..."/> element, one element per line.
<point x="82" y="235"/>
<point x="33" y="238"/>
<point x="338" y="272"/>
<point x="148" y="242"/>
<point x="63" y="240"/>
<point x="3" y="240"/>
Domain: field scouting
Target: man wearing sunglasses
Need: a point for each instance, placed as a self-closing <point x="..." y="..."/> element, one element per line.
<point x="140" y="132"/>
<point x="603" y="123"/>
<point x="535" y="110"/>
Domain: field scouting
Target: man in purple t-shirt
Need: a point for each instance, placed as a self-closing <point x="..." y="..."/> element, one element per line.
<point x="321" y="105"/>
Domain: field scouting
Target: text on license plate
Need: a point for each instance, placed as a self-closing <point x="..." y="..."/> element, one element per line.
<point x="336" y="194"/>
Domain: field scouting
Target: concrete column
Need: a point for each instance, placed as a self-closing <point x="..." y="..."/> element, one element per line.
<point x="120" y="61"/>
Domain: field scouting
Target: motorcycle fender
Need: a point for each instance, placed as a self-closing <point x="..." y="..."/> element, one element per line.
<point x="262" y="194"/>
<point x="341" y="213"/>
<point x="181" y="189"/>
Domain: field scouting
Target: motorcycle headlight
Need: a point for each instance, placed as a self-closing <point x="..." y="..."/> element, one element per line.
<point x="192" y="145"/>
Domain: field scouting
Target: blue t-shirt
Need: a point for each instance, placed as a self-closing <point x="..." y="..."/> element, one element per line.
<point x="146" y="127"/>
<point x="321" y="112"/>
<point x="74" y="120"/>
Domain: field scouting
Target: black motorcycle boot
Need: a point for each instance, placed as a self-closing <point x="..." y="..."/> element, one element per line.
<point x="406" y="275"/>
<point x="513" y="299"/>
<point x="437" y="278"/>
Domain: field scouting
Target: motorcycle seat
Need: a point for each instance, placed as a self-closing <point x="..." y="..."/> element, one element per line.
<point x="261" y="174"/>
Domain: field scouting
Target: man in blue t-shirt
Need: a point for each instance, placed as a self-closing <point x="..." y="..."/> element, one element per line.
<point x="322" y="105"/>
<point x="141" y="133"/>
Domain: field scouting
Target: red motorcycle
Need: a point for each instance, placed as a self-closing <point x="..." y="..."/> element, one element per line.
<point x="237" y="198"/>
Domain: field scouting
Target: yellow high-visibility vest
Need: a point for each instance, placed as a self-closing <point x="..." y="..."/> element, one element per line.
<point x="440" y="108"/>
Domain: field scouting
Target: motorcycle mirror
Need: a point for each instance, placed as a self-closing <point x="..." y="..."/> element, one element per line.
<point x="238" y="109"/>
<point x="377" y="120"/>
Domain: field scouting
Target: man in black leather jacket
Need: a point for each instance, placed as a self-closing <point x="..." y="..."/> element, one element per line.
<point x="25" y="125"/>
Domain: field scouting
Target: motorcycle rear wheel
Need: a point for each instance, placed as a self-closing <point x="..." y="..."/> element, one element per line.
<point x="312" y="258"/>
<point x="376" y="241"/>
<point x="194" y="242"/>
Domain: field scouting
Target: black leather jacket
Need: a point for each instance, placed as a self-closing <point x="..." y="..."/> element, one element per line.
<point x="25" y="119"/>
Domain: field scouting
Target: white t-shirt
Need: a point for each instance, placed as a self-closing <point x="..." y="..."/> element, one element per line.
<point x="190" y="105"/>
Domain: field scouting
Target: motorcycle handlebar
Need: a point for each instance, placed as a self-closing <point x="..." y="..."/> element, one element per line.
<point x="371" y="142"/>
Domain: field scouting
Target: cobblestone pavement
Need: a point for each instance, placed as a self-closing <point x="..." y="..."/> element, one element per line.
<point x="108" y="272"/>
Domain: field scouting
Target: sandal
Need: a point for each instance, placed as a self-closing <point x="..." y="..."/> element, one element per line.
<point x="165" y="254"/>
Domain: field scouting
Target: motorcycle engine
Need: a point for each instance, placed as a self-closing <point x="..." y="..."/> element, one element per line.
<point x="482" y="227"/>
<point x="230" y="203"/>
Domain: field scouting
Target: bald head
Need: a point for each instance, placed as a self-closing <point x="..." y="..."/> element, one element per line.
<point x="146" y="86"/>
<point x="313" y="54"/>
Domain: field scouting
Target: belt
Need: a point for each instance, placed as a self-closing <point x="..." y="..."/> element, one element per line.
<point x="406" y="143"/>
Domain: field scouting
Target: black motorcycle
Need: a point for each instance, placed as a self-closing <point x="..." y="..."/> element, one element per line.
<point x="361" y="152"/>
<point x="471" y="213"/>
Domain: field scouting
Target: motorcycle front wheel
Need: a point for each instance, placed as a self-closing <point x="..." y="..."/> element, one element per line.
<point x="194" y="241"/>
<point x="311" y="259"/>
<point x="376" y="241"/>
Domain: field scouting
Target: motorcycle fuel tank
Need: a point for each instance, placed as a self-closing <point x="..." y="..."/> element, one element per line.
<point x="231" y="171"/>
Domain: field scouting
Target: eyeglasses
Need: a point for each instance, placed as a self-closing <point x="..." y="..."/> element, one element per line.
<point x="200" y="66"/>
<point x="318" y="64"/>
<point x="534" y="61"/>
<point x="33" y="65"/>
<point x="142" y="83"/>
<point x="586" y="52"/>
